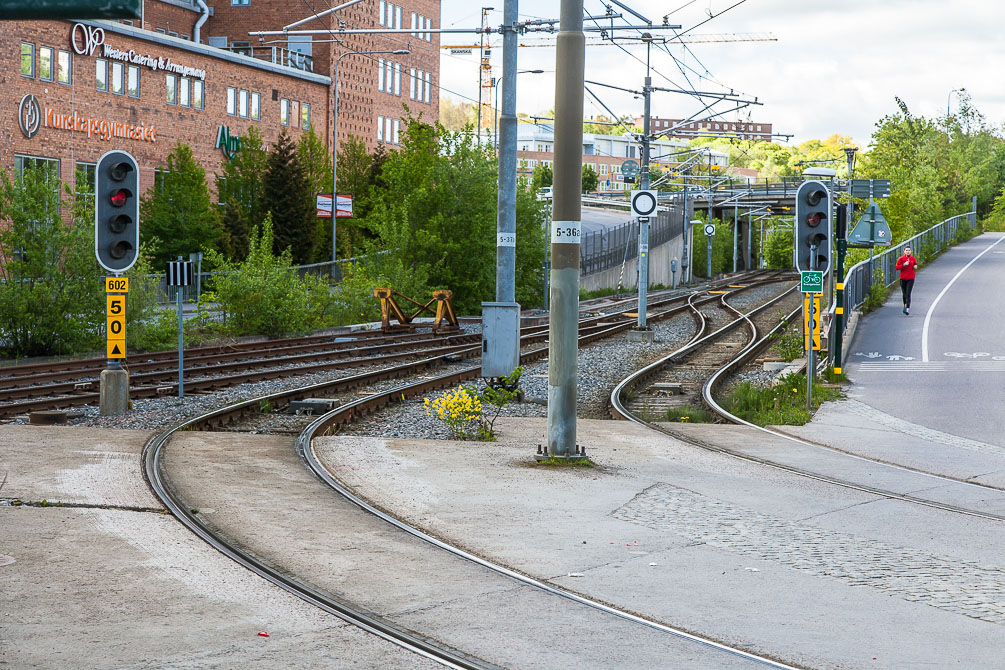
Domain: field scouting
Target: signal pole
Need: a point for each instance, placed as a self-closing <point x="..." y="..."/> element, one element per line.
<point x="644" y="185"/>
<point x="566" y="226"/>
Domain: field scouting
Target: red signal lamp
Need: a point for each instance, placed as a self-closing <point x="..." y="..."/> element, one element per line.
<point x="118" y="198"/>
<point x="815" y="218"/>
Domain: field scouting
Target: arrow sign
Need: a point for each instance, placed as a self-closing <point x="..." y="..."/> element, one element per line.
<point x="872" y="229"/>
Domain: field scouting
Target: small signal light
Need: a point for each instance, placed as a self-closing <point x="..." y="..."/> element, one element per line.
<point x="118" y="198"/>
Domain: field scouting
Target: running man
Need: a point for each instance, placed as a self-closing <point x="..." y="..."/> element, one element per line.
<point x="906" y="264"/>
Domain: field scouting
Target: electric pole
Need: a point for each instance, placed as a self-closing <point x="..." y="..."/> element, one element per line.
<point x="644" y="185"/>
<point x="566" y="227"/>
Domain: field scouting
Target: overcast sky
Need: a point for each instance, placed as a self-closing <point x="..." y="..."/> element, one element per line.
<point x="835" y="67"/>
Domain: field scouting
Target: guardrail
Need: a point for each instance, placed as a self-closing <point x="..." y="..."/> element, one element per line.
<point x="859" y="278"/>
<point x="605" y="249"/>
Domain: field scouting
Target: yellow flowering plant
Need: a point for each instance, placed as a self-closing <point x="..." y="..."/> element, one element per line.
<point x="459" y="410"/>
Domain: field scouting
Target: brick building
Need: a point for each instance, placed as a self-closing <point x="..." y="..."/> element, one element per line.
<point x="192" y="75"/>
<point x="746" y="129"/>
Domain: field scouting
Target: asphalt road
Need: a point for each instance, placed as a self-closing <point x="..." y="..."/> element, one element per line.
<point x="595" y="218"/>
<point x="943" y="366"/>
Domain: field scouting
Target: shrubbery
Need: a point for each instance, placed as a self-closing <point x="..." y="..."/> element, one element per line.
<point x="264" y="295"/>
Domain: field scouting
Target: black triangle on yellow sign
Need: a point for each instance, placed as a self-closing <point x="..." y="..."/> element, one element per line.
<point x="116" y="349"/>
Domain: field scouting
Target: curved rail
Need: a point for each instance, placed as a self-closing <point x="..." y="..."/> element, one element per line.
<point x="742" y="358"/>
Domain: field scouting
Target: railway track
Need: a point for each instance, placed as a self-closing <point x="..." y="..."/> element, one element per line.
<point x="67" y="384"/>
<point x="712" y="357"/>
<point x="591" y="329"/>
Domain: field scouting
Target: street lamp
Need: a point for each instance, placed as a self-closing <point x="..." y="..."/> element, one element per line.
<point x="335" y="133"/>
<point x="495" y="114"/>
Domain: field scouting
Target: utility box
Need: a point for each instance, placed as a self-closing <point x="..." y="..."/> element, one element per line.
<point x="500" y="338"/>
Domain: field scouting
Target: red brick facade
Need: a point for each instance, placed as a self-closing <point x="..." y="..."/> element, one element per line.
<point x="148" y="126"/>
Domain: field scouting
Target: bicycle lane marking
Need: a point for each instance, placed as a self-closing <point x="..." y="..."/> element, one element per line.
<point x="928" y="315"/>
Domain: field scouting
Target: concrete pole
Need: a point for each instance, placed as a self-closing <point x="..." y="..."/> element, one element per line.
<point x="506" y="199"/>
<point x="736" y="232"/>
<point x="335" y="155"/>
<point x="644" y="221"/>
<point x="748" y="259"/>
<point x="566" y="227"/>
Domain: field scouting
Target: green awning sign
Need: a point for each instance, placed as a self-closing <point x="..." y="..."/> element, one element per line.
<point x="872" y="229"/>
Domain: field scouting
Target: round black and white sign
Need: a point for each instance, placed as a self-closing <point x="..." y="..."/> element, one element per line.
<point x="710" y="229"/>
<point x="643" y="203"/>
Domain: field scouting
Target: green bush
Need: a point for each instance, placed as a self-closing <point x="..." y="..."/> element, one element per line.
<point x="263" y="295"/>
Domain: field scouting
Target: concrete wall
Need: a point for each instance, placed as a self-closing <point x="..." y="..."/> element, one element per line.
<point x="659" y="269"/>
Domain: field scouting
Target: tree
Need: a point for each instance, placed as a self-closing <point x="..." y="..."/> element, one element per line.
<point x="356" y="175"/>
<point x="286" y="191"/>
<point x="456" y="115"/>
<point x="590" y="179"/>
<point x="177" y="214"/>
<point x="240" y="192"/>
<point x="542" y="177"/>
<point x="436" y="218"/>
<point x="51" y="297"/>
<point x="317" y="163"/>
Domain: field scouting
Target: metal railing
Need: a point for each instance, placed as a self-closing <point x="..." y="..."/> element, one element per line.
<point x="277" y="55"/>
<point x="329" y="270"/>
<point x="859" y="278"/>
<point x="608" y="248"/>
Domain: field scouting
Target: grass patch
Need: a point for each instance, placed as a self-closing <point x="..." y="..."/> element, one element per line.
<point x="781" y="405"/>
<point x="564" y="463"/>
<point x="689" y="415"/>
<point x="832" y="377"/>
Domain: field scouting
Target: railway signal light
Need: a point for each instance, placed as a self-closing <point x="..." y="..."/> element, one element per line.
<point x="813" y="227"/>
<point x="116" y="211"/>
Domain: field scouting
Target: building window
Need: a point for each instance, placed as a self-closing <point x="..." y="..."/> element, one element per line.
<point x="133" y="81"/>
<point x="429" y="25"/>
<point x="380" y="128"/>
<point x="242" y="104"/>
<point x="49" y="167"/>
<point x="397" y="131"/>
<point x="429" y="85"/>
<point x="101" y="73"/>
<point x="185" y="92"/>
<point x="45" y="63"/>
<point x="63" y="69"/>
<point x="162" y="31"/>
<point x="172" y="89"/>
<point x="198" y="101"/>
<point x="383" y="12"/>
<point x="256" y="107"/>
<point x="84" y="180"/>
<point x="231" y="101"/>
<point x="390" y="16"/>
<point x="397" y="79"/>
<point x="242" y="3"/>
<point x="27" y="59"/>
<point x="305" y="116"/>
<point x="172" y="33"/>
<point x="380" y="74"/>
<point x="387" y="129"/>
<point x="388" y="76"/>
<point x="415" y="23"/>
<point x="284" y="112"/>
<point x="411" y="84"/>
<point x="186" y="37"/>
<point x="397" y="17"/>
<point x="118" y="83"/>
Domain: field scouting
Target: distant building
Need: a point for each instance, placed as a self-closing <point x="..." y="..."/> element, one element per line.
<point x="753" y="130"/>
<point x="604" y="153"/>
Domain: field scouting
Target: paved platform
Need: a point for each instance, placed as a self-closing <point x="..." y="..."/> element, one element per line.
<point x="814" y="574"/>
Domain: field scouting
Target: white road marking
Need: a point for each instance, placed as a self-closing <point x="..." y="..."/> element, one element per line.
<point x="928" y="315"/>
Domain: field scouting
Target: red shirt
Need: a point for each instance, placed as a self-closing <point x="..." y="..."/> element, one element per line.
<point x="906" y="264"/>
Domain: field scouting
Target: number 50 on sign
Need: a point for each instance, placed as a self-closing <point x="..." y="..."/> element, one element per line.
<point x="116" y="325"/>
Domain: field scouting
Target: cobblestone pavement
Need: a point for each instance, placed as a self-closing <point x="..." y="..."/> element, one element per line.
<point x="961" y="587"/>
